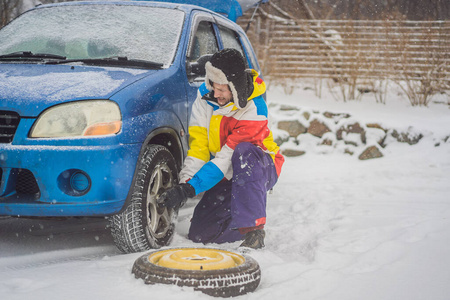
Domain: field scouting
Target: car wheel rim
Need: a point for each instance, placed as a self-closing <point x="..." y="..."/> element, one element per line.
<point x="158" y="218"/>
<point x="196" y="259"/>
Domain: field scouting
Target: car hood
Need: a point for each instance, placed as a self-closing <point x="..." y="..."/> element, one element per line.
<point x="29" y="89"/>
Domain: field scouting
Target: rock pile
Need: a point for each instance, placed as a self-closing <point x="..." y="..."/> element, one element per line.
<point x="297" y="131"/>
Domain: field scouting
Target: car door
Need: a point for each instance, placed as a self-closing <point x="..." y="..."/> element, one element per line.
<point x="232" y="36"/>
<point x="209" y="35"/>
<point x="203" y="42"/>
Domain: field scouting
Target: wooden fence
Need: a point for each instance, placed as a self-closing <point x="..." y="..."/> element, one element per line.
<point x="352" y="50"/>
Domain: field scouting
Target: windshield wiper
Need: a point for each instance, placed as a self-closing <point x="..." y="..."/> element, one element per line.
<point x="121" y="61"/>
<point x="28" y="55"/>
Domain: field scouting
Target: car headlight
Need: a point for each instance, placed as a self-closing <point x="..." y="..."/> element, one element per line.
<point x="82" y="118"/>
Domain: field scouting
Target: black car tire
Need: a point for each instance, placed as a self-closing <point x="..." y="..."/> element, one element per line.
<point x="218" y="281"/>
<point x="142" y="224"/>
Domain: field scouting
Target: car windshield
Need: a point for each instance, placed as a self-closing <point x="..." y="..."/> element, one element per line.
<point x="96" y="31"/>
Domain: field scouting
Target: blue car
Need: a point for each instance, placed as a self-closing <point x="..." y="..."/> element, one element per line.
<point x="95" y="99"/>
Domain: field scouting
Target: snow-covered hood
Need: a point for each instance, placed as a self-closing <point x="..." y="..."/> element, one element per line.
<point x="29" y="89"/>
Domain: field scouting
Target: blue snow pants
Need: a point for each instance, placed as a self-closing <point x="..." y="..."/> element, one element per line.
<point x="236" y="203"/>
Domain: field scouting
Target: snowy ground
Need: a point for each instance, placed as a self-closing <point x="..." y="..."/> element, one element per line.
<point x="338" y="228"/>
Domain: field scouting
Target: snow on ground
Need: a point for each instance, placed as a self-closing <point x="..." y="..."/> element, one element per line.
<point x="338" y="228"/>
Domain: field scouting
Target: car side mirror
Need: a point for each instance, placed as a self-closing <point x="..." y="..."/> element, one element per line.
<point x="197" y="68"/>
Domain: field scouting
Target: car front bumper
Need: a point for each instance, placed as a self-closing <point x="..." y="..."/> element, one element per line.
<point x="43" y="180"/>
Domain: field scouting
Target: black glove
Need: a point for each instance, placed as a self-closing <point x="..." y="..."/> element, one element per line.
<point x="176" y="196"/>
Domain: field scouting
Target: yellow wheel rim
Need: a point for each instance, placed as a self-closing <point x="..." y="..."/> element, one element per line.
<point x="196" y="259"/>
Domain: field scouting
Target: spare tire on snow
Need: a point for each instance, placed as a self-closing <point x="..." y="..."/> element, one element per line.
<point x="215" y="272"/>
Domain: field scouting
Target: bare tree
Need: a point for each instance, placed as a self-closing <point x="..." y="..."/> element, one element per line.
<point x="374" y="9"/>
<point x="8" y="9"/>
<point x="420" y="80"/>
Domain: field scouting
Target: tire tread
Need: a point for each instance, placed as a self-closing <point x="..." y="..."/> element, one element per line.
<point x="127" y="227"/>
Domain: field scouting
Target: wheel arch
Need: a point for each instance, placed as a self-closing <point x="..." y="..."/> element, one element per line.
<point x="167" y="137"/>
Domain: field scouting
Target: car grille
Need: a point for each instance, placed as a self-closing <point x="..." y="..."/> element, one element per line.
<point x="26" y="183"/>
<point x="8" y="125"/>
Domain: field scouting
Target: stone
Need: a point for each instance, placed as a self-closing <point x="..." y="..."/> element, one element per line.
<point x="370" y="153"/>
<point x="281" y="139"/>
<point x="348" y="151"/>
<point x="352" y="128"/>
<point x="327" y="142"/>
<point x="318" y="128"/>
<point x="331" y="115"/>
<point x="444" y="141"/>
<point x="375" y="125"/>
<point x="284" y="107"/>
<point x="294" y="127"/>
<point x="351" y="143"/>
<point x="292" y="152"/>
<point x="406" y="137"/>
<point x="376" y="135"/>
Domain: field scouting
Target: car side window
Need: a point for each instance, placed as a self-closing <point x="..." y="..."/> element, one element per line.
<point x="204" y="41"/>
<point x="230" y="39"/>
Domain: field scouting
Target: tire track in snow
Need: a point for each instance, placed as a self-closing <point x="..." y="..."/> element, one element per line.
<point x="33" y="243"/>
<point x="44" y="259"/>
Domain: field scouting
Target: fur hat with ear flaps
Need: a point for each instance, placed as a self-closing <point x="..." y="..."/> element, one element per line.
<point x="228" y="67"/>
